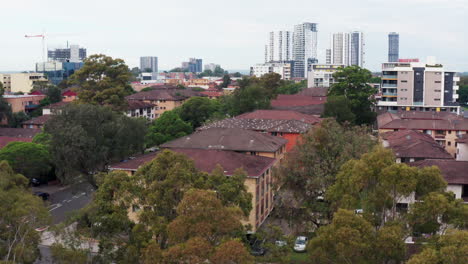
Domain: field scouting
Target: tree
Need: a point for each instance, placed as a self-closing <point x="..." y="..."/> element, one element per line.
<point x="449" y="248"/>
<point x="197" y="110"/>
<point x="246" y="99"/>
<point x="54" y="94"/>
<point x="237" y="75"/>
<point x="16" y="119"/>
<point x="226" y="81"/>
<point x="232" y="251"/>
<point x="311" y="167"/>
<point x="22" y="212"/>
<point x="103" y="81"/>
<point x="167" y="127"/>
<point x="5" y="108"/>
<point x="29" y="159"/>
<point x="86" y="138"/>
<point x="353" y="83"/>
<point x="339" y="108"/>
<point x="463" y="92"/>
<point x="351" y="239"/>
<point x="291" y="87"/>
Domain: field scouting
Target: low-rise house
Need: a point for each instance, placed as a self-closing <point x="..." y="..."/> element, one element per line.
<point x="443" y="127"/>
<point x="234" y="139"/>
<point x="286" y="124"/>
<point x="8" y="135"/>
<point x="141" y="109"/>
<point x="212" y="94"/>
<point x="309" y="101"/>
<point x="55" y="108"/>
<point x="36" y="122"/>
<point x="23" y="103"/>
<point x="69" y="95"/>
<point x="258" y="181"/>
<point x="165" y="98"/>
<point x="411" y="145"/>
<point x="454" y="172"/>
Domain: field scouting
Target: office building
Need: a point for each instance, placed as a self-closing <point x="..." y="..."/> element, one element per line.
<point x="193" y="65"/>
<point x="72" y="54"/>
<point x="20" y="82"/>
<point x="409" y="85"/>
<point x="328" y="59"/>
<point x="280" y="46"/>
<point x="211" y="66"/>
<point x="304" y="49"/>
<point x="57" y="71"/>
<point x="393" y="47"/>
<point x="347" y="48"/>
<point x="321" y="75"/>
<point x="149" y="64"/>
<point x="285" y="69"/>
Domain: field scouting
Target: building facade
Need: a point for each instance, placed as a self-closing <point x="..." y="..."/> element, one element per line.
<point x="393" y="47"/>
<point x="285" y="69"/>
<point x="72" y="54"/>
<point x="23" y="103"/>
<point x="410" y="85"/>
<point x="347" y="48"/>
<point x="304" y="49"/>
<point x="149" y="64"/>
<point x="20" y="82"/>
<point x="57" y="71"/>
<point x="280" y="46"/>
<point x="321" y="75"/>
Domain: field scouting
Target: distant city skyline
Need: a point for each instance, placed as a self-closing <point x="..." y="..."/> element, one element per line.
<point x="233" y="37"/>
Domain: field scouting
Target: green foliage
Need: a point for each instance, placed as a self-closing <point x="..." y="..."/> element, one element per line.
<point x="147" y="89"/>
<point x="167" y="127"/>
<point x="226" y="81"/>
<point x="66" y="255"/>
<point x="237" y="74"/>
<point x="218" y="72"/>
<point x="463" y="91"/>
<point x="376" y="79"/>
<point x="103" y="81"/>
<point x="197" y="110"/>
<point x="339" y="108"/>
<point x="5" y="110"/>
<point x="308" y="170"/>
<point x="178" y="69"/>
<point x="86" y="138"/>
<point x="352" y="83"/>
<point x="291" y="87"/>
<point x="29" y="159"/>
<point x="42" y="138"/>
<point x="21" y="213"/>
<point x="246" y="99"/>
<point x="16" y="119"/>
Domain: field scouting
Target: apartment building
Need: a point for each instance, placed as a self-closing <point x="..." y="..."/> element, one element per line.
<point x="410" y="85"/>
<point x="285" y="69"/>
<point x="347" y="48"/>
<point x="149" y="64"/>
<point x="304" y="49"/>
<point x="279" y="46"/>
<point x="321" y="75"/>
<point x="444" y="127"/>
<point x="23" y="103"/>
<point x="137" y="109"/>
<point x="20" y="82"/>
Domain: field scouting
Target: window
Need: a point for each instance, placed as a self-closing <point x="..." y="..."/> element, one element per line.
<point x="449" y="143"/>
<point x="404" y="81"/>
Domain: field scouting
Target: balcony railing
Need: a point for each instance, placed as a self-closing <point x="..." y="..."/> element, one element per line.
<point x="389" y="76"/>
<point x="390" y="94"/>
<point x="418" y="103"/>
<point x="389" y="85"/>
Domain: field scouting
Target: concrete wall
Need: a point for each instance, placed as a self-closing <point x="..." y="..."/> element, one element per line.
<point x="456" y="189"/>
<point x="405" y="83"/>
<point x="433" y="89"/>
<point x="462" y="152"/>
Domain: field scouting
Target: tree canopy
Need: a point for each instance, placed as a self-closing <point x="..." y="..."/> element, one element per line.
<point x="167" y="127"/>
<point x="353" y="84"/>
<point x="29" y="159"/>
<point x="197" y="110"/>
<point x="85" y="138"/>
<point x="103" y="80"/>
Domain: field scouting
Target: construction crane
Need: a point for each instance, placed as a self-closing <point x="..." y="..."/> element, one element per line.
<point x="43" y="43"/>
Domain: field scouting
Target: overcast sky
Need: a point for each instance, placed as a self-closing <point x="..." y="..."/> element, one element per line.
<point x="230" y="33"/>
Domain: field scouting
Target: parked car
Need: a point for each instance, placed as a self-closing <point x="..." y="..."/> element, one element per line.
<point x="301" y="244"/>
<point x="35" y="182"/>
<point x="281" y="243"/>
<point x="43" y="195"/>
<point x="256" y="245"/>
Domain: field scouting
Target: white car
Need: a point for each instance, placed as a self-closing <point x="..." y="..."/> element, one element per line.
<point x="301" y="244"/>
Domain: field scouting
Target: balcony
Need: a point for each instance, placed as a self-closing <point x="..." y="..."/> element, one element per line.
<point x="389" y="85"/>
<point x="418" y="103"/>
<point x="389" y="94"/>
<point x="389" y="77"/>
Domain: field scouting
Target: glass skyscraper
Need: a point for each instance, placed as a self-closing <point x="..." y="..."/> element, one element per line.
<point x="393" y="47"/>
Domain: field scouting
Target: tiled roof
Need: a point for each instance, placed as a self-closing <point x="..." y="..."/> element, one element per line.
<point x="263" y="125"/>
<point x="316" y="110"/>
<point x="69" y="92"/>
<point x="5" y="140"/>
<point x="40" y="120"/>
<point x="56" y="105"/>
<point x="135" y="104"/>
<point x="414" y="144"/>
<point x="315" y="91"/>
<point x="422" y="121"/>
<point x="297" y="100"/>
<point x="229" y="139"/>
<point x="280" y="115"/>
<point x="19" y="132"/>
<point x="206" y="160"/>
<point x="212" y="93"/>
<point x="36" y="93"/>
<point x="165" y="93"/>
<point x="454" y="172"/>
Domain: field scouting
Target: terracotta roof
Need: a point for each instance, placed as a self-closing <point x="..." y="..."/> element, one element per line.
<point x="36" y="93"/>
<point x="263" y="125"/>
<point x="229" y="139"/>
<point x="40" y="120"/>
<point x="165" y="93"/>
<point x="56" y="105"/>
<point x="280" y="115"/>
<point x="453" y="171"/>
<point x="19" y="132"/>
<point x="297" y="100"/>
<point x="212" y="93"/>
<point x="315" y="91"/>
<point x="135" y="104"/>
<point x="5" y="140"/>
<point x="69" y="92"/>
<point x="422" y="121"/>
<point x="206" y="160"/>
<point x="414" y="144"/>
<point x="316" y="110"/>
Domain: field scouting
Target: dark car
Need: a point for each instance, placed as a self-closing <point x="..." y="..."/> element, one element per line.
<point x="35" y="182"/>
<point x="256" y="248"/>
<point x="43" y="195"/>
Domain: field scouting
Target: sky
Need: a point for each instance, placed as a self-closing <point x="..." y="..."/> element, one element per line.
<point x="230" y="33"/>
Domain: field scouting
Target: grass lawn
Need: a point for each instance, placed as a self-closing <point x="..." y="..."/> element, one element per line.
<point x="299" y="257"/>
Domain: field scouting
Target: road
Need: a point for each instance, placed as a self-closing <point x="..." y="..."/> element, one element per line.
<point x="65" y="200"/>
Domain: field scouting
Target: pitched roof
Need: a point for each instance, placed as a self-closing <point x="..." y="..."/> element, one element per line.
<point x="5" y="140"/>
<point x="18" y="132"/>
<point x="306" y="109"/>
<point x="40" y="120"/>
<point x="206" y="160"/>
<point x="297" y="100"/>
<point x="69" y="92"/>
<point x="165" y="93"/>
<point x="56" y="105"/>
<point x="280" y="115"/>
<point x="229" y="139"/>
<point x="422" y="120"/>
<point x="135" y="104"/>
<point x="414" y="144"/>
<point x="263" y="125"/>
<point x="463" y="139"/>
<point x="212" y="93"/>
<point x="36" y="93"/>
<point x="453" y="171"/>
<point x="315" y="91"/>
